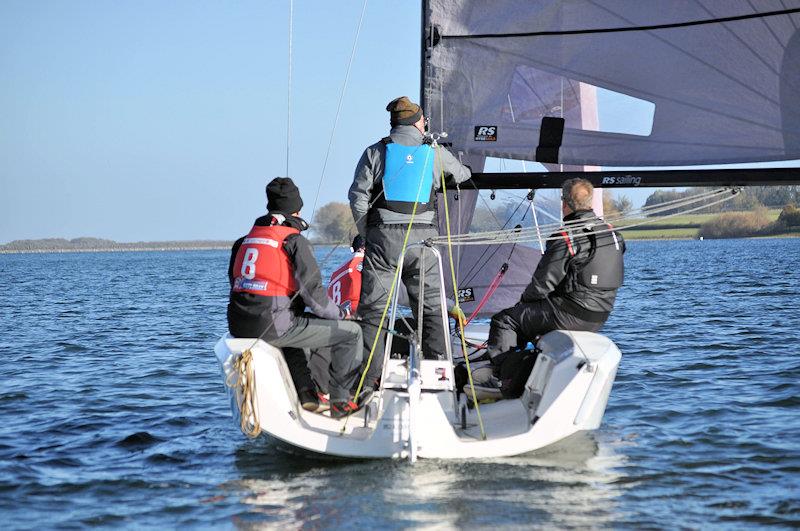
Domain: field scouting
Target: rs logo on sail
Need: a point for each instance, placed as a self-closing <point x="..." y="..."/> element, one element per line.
<point x="628" y="180"/>
<point x="486" y="133"/>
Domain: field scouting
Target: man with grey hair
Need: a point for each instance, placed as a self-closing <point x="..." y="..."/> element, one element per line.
<point x="573" y="288"/>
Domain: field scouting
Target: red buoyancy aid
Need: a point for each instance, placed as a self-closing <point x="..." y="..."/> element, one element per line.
<point x="262" y="267"/>
<point x="345" y="283"/>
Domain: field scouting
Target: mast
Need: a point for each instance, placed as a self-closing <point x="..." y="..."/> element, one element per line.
<point x="423" y="55"/>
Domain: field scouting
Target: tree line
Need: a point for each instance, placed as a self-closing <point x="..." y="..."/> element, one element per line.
<point x="750" y="198"/>
<point x="100" y="244"/>
<point x="333" y="222"/>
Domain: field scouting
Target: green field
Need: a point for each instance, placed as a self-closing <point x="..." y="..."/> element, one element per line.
<point x="681" y="227"/>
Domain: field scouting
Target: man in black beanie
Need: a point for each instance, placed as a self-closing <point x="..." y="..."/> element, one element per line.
<point x="274" y="277"/>
<point x="395" y="184"/>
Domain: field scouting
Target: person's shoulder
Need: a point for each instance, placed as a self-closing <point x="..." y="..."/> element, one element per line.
<point x="380" y="144"/>
<point x="296" y="238"/>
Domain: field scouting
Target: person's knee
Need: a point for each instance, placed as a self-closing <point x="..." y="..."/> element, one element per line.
<point x="501" y="320"/>
<point x="351" y="329"/>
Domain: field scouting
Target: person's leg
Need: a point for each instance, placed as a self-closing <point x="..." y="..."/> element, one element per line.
<point x="376" y="280"/>
<point x="535" y="319"/>
<point x="343" y="338"/>
<point x="298" y="368"/>
<point x="503" y="332"/>
<point x="566" y="321"/>
<point x="319" y="362"/>
<point x="434" y="332"/>
<point x="346" y="359"/>
<point x="517" y="325"/>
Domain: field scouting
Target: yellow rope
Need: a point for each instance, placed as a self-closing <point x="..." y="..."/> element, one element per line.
<point x="455" y="295"/>
<point x="391" y="293"/>
<point x="245" y="388"/>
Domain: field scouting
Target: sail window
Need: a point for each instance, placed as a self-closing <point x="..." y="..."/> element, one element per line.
<point x="535" y="94"/>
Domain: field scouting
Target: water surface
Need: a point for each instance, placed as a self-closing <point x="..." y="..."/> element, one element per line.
<point x="113" y="413"/>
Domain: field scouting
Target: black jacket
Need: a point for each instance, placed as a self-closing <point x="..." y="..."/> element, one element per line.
<point x="555" y="276"/>
<point x="251" y="315"/>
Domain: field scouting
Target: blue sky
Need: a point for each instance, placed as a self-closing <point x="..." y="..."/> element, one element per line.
<point x="159" y="120"/>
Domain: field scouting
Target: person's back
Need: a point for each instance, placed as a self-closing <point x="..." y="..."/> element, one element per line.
<point x="574" y="285"/>
<point x="593" y="264"/>
<point x="274" y="277"/>
<point x="392" y="199"/>
<point x="344" y="287"/>
<point x="262" y="301"/>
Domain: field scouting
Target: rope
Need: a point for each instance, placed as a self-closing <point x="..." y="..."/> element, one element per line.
<point x="325" y="259"/>
<point x="391" y="293"/>
<point x="477" y="266"/>
<point x="455" y="299"/>
<point x="244" y="385"/>
<point x="645" y="211"/>
<point x="289" y="90"/>
<point x="339" y="108"/>
<point x="489" y="291"/>
<point x="528" y="235"/>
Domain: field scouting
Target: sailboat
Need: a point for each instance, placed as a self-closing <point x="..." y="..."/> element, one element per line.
<point x="719" y="84"/>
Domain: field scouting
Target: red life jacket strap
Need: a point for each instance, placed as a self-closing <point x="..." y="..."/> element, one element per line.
<point x="569" y="243"/>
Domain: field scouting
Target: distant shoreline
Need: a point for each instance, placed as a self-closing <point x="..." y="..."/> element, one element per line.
<point x="113" y="250"/>
<point x="96" y="245"/>
<point x="227" y="246"/>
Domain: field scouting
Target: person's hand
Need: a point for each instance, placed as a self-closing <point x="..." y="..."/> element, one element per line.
<point x="457" y="314"/>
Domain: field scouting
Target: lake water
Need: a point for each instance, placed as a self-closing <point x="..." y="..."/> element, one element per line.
<point x="113" y="412"/>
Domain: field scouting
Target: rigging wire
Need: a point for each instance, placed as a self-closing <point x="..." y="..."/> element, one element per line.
<point x="482" y="260"/>
<point x="339" y="107"/>
<point x="459" y="322"/>
<point x="644" y="211"/>
<point x="289" y="89"/>
<point x="525" y="235"/>
<point x="395" y="282"/>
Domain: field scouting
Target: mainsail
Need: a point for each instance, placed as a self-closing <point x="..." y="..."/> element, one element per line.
<point x="714" y="82"/>
<point x="723" y="78"/>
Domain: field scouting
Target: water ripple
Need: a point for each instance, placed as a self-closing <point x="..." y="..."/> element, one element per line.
<point x="113" y="413"/>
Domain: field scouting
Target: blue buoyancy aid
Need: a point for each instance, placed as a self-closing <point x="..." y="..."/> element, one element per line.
<point x="407" y="178"/>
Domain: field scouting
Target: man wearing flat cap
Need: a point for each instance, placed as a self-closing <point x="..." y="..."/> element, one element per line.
<point x="274" y="277"/>
<point x="395" y="183"/>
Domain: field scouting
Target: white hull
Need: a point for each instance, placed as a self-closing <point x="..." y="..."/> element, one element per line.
<point x="415" y="415"/>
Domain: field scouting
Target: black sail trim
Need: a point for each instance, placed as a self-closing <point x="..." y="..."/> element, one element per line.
<point x="638" y="179"/>
<point x="623" y="29"/>
<point x="551" y="133"/>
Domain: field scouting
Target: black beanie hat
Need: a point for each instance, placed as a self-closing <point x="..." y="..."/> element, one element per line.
<point x="358" y="243"/>
<point x="283" y="196"/>
<point x="403" y="111"/>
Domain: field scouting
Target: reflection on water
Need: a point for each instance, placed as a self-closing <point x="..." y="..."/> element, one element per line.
<point x="571" y="484"/>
